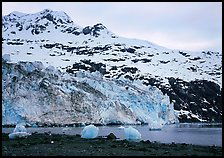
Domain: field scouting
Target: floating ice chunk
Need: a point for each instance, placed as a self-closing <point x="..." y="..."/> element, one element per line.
<point x="132" y="133"/>
<point x="121" y="127"/>
<point x="19" y="132"/>
<point x="18" y="135"/>
<point x="155" y="126"/>
<point x="20" y="128"/>
<point x="66" y="129"/>
<point x="89" y="131"/>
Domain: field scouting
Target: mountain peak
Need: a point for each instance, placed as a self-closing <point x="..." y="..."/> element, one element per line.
<point x="56" y="14"/>
<point x="47" y="10"/>
<point x="49" y="37"/>
<point x="18" y="14"/>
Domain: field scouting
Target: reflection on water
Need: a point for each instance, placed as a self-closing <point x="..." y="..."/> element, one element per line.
<point x="189" y="133"/>
<point x="200" y="125"/>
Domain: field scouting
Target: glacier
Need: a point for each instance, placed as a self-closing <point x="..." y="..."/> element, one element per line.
<point x="37" y="95"/>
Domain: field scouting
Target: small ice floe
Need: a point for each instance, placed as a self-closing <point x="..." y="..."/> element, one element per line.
<point x="155" y="126"/>
<point x="158" y="128"/>
<point x="20" y="128"/>
<point x="132" y="134"/>
<point x="89" y="132"/>
<point x="121" y="127"/>
<point x="66" y="129"/>
<point x="19" y="132"/>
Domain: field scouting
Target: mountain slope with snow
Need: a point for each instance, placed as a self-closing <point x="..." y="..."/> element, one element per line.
<point x="54" y="39"/>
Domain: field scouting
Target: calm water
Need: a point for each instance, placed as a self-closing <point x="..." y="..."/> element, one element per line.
<point x="200" y="134"/>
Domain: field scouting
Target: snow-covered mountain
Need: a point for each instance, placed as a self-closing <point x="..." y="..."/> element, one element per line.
<point x="192" y="80"/>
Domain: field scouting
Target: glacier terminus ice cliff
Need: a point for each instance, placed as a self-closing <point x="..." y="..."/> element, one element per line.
<point x="34" y="94"/>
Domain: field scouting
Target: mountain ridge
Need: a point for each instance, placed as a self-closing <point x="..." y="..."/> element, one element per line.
<point x="95" y="48"/>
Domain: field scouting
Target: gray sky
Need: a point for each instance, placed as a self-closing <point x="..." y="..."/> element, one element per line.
<point x="193" y="26"/>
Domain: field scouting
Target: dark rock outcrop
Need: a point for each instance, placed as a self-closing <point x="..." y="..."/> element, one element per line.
<point x="111" y="136"/>
<point x="200" y="97"/>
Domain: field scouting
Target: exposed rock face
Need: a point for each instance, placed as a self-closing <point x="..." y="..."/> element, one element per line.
<point x="86" y="30"/>
<point x="95" y="30"/>
<point x="200" y="97"/>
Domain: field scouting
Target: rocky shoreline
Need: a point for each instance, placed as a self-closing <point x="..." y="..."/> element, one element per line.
<point x="73" y="145"/>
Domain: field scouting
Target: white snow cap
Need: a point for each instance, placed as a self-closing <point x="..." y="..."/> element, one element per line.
<point x="132" y="133"/>
<point x="89" y="132"/>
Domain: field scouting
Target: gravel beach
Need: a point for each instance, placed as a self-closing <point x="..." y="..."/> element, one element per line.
<point x="73" y="145"/>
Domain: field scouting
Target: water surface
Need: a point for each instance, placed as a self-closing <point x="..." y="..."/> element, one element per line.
<point x="189" y="133"/>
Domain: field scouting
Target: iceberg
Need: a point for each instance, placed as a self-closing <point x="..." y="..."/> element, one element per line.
<point x="18" y="135"/>
<point x="89" y="132"/>
<point x="19" y="132"/>
<point x="132" y="134"/>
<point x="20" y="128"/>
<point x="155" y="127"/>
<point x="121" y="127"/>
